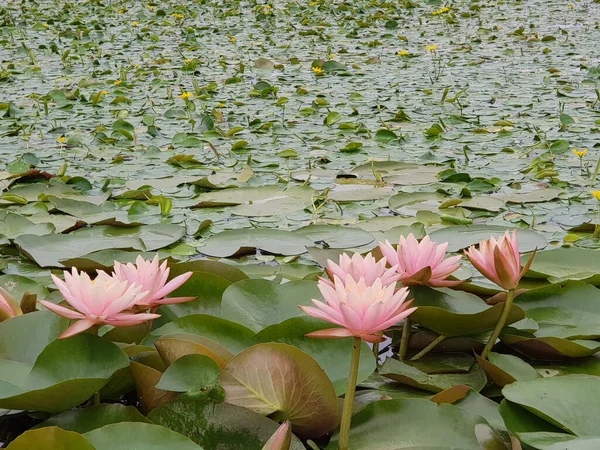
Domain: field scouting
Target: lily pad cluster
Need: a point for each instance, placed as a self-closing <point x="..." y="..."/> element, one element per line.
<point x="248" y="142"/>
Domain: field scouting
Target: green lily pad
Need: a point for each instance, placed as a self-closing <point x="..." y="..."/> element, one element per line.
<point x="571" y="402"/>
<point x="520" y="420"/>
<point x="336" y="236"/>
<point x="80" y="365"/>
<point x="14" y="225"/>
<point x="462" y="236"/>
<point x="239" y="427"/>
<point x="208" y="289"/>
<point x="569" y="310"/>
<point x="456" y="313"/>
<point x="403" y="373"/>
<point x="226" y="271"/>
<point x="235" y="242"/>
<point x="190" y="373"/>
<point x="53" y="438"/>
<point x="256" y="304"/>
<point x="49" y="250"/>
<point x="559" y="441"/>
<point x="82" y="420"/>
<point x="23" y="338"/>
<point x="231" y="335"/>
<point x="506" y="369"/>
<point x="567" y="264"/>
<point x="131" y="435"/>
<point x="333" y="355"/>
<point x="283" y="381"/>
<point x="17" y="286"/>
<point x="406" y="424"/>
<point x="549" y="348"/>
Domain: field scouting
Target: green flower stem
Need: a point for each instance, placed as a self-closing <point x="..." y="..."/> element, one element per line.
<point x="427" y="349"/>
<point x="405" y="338"/>
<point x="349" y="397"/>
<point x="510" y="296"/>
<point x="376" y="353"/>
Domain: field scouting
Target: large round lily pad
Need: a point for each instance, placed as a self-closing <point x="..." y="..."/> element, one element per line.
<point x="209" y="424"/>
<point x="256" y="303"/>
<point x="280" y="380"/>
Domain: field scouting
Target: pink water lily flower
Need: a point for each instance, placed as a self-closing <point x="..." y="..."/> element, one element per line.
<point x="364" y="311"/>
<point x="104" y="300"/>
<point x="359" y="267"/>
<point x="499" y="260"/>
<point x="421" y="262"/>
<point x="153" y="279"/>
<point x="9" y="307"/>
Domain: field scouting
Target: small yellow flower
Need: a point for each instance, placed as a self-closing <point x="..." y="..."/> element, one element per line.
<point x="150" y="7"/>
<point x="580" y="153"/>
<point x="332" y="55"/>
<point x="220" y="105"/>
<point x="402" y="52"/>
<point x="104" y="92"/>
<point x="118" y="82"/>
<point x="186" y="95"/>
<point x="232" y="38"/>
<point x="267" y="6"/>
<point x="187" y="60"/>
<point x="137" y="66"/>
<point x="571" y="6"/>
<point x="134" y="24"/>
<point x="46" y="25"/>
<point x="177" y="15"/>
<point x="596" y="194"/>
<point x="498" y="28"/>
<point x="432" y="48"/>
<point x="317" y="70"/>
<point x="63" y="139"/>
<point x="121" y="11"/>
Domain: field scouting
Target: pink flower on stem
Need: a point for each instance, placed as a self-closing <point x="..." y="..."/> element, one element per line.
<point x="363" y="311"/>
<point x="104" y="300"/>
<point x="9" y="308"/>
<point x="421" y="262"/>
<point x="499" y="260"/>
<point x="153" y="279"/>
<point x="359" y="267"/>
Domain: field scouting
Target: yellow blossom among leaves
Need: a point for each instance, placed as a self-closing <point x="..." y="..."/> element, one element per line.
<point x="186" y="95"/>
<point x="402" y="52"/>
<point x="432" y="48"/>
<point x="187" y="60"/>
<point x="332" y="55"/>
<point x="580" y="153"/>
<point x="317" y="70"/>
<point x="62" y="139"/>
<point x="177" y="15"/>
<point x="596" y="194"/>
<point x="134" y="24"/>
<point x="440" y="11"/>
<point x="118" y="82"/>
<point x="232" y="38"/>
<point x="104" y="92"/>
<point x="221" y="105"/>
